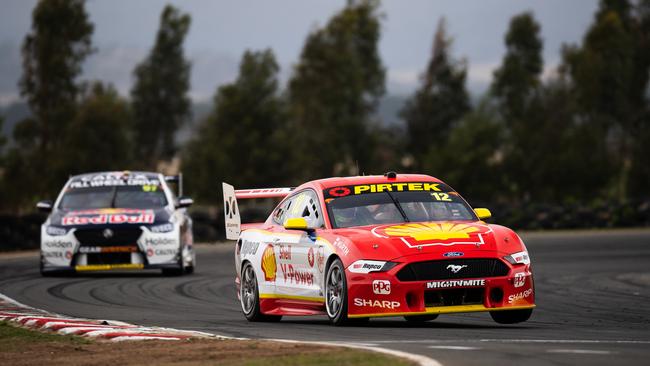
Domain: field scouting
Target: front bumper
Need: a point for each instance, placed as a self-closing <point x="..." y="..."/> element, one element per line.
<point x="381" y="294"/>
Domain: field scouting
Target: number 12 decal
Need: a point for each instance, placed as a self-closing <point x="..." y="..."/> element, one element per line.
<point x="441" y="197"/>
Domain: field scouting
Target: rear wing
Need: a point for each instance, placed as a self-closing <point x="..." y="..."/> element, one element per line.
<point x="231" y="208"/>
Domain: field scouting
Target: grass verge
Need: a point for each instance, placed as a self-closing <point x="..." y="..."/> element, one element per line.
<point x="20" y="346"/>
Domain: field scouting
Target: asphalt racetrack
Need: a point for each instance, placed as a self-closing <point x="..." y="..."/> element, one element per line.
<point x="592" y="290"/>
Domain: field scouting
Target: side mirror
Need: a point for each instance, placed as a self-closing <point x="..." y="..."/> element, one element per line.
<point x="184" y="202"/>
<point x="44" y="206"/>
<point x="483" y="213"/>
<point x="297" y="223"/>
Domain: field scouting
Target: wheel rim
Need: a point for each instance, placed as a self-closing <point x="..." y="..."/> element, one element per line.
<point x="334" y="289"/>
<point x="248" y="290"/>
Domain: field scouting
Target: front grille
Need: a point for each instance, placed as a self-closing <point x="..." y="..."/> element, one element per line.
<point x="451" y="297"/>
<point x="109" y="258"/>
<point x="121" y="236"/>
<point x="442" y="270"/>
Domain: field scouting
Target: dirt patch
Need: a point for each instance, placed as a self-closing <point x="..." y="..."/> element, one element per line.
<point x="25" y="347"/>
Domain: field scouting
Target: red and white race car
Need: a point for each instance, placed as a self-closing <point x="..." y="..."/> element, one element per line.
<point x="375" y="246"/>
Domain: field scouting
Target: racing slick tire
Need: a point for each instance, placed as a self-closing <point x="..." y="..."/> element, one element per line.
<point x="250" y="298"/>
<point x="420" y="318"/>
<point x="511" y="316"/>
<point x="336" y="294"/>
<point x="173" y="272"/>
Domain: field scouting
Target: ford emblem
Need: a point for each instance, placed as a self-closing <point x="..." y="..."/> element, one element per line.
<point x="453" y="254"/>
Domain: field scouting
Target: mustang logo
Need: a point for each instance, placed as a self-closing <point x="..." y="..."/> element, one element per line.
<point x="455" y="268"/>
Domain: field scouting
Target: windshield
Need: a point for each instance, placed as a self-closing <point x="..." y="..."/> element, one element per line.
<point x="135" y="196"/>
<point x="389" y="207"/>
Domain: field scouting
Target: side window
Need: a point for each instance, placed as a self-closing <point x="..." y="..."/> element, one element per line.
<point x="305" y="204"/>
<point x="281" y="210"/>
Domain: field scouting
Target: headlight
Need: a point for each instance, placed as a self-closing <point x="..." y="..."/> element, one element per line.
<point x="164" y="228"/>
<point x="55" y="231"/>
<point x="518" y="258"/>
<point x="365" y="266"/>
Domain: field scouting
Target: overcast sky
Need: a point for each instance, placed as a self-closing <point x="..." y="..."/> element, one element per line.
<point x="222" y="30"/>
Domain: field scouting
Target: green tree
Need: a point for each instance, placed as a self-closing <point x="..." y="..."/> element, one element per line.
<point x="518" y="79"/>
<point x="639" y="177"/>
<point x="439" y="103"/>
<point x="241" y="141"/>
<point x="53" y="53"/>
<point x="609" y="75"/>
<point x="333" y="91"/>
<point x="516" y="88"/>
<point x="471" y="158"/>
<point x="159" y="96"/>
<point x="100" y="135"/>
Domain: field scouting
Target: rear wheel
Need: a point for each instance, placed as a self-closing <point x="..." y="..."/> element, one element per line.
<point x="511" y="316"/>
<point x="336" y="292"/>
<point x="250" y="299"/>
<point x="420" y="318"/>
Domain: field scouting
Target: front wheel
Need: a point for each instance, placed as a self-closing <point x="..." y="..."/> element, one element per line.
<point x="511" y="316"/>
<point x="250" y="299"/>
<point x="336" y="292"/>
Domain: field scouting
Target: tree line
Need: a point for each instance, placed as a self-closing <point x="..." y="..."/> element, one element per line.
<point x="579" y="135"/>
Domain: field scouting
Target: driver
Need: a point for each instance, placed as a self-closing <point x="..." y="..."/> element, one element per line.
<point x="346" y="217"/>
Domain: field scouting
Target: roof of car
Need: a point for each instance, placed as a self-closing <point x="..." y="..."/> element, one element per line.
<point x="373" y="179"/>
<point x="114" y="174"/>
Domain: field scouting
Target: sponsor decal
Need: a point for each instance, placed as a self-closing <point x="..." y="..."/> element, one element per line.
<point x="160" y="241"/>
<point x="455" y="283"/>
<point x="453" y="254"/>
<point x="310" y="257"/>
<point x="434" y="233"/>
<point x="79" y="218"/>
<point x="57" y="244"/>
<point x="520" y="296"/>
<point x="320" y="259"/>
<point x="339" y="191"/>
<point x="363" y="266"/>
<point x="107" y="233"/>
<point x="299" y="277"/>
<point x="249" y="248"/>
<point x="165" y="251"/>
<point x="285" y="252"/>
<point x="115" y="249"/>
<point x="68" y="255"/>
<point x="520" y="279"/>
<point x="340" y="244"/>
<point x="269" y="266"/>
<point x="52" y="254"/>
<point x="384" y="304"/>
<point x="343" y="191"/>
<point x="114" y="179"/>
<point x="149" y="252"/>
<point x="455" y="268"/>
<point x="381" y="287"/>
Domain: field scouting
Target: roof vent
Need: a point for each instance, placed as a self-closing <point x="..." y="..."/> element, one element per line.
<point x="390" y="175"/>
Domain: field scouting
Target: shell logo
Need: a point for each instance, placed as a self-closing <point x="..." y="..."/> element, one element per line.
<point x="432" y="231"/>
<point x="269" y="266"/>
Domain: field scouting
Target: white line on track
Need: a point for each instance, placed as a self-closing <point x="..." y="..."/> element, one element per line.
<point x="580" y="351"/>
<point x="455" y="348"/>
<point x="568" y="341"/>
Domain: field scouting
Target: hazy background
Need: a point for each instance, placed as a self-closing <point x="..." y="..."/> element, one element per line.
<point x="222" y="30"/>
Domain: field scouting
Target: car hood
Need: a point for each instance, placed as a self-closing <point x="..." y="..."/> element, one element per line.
<point x="430" y="239"/>
<point x="108" y="217"/>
